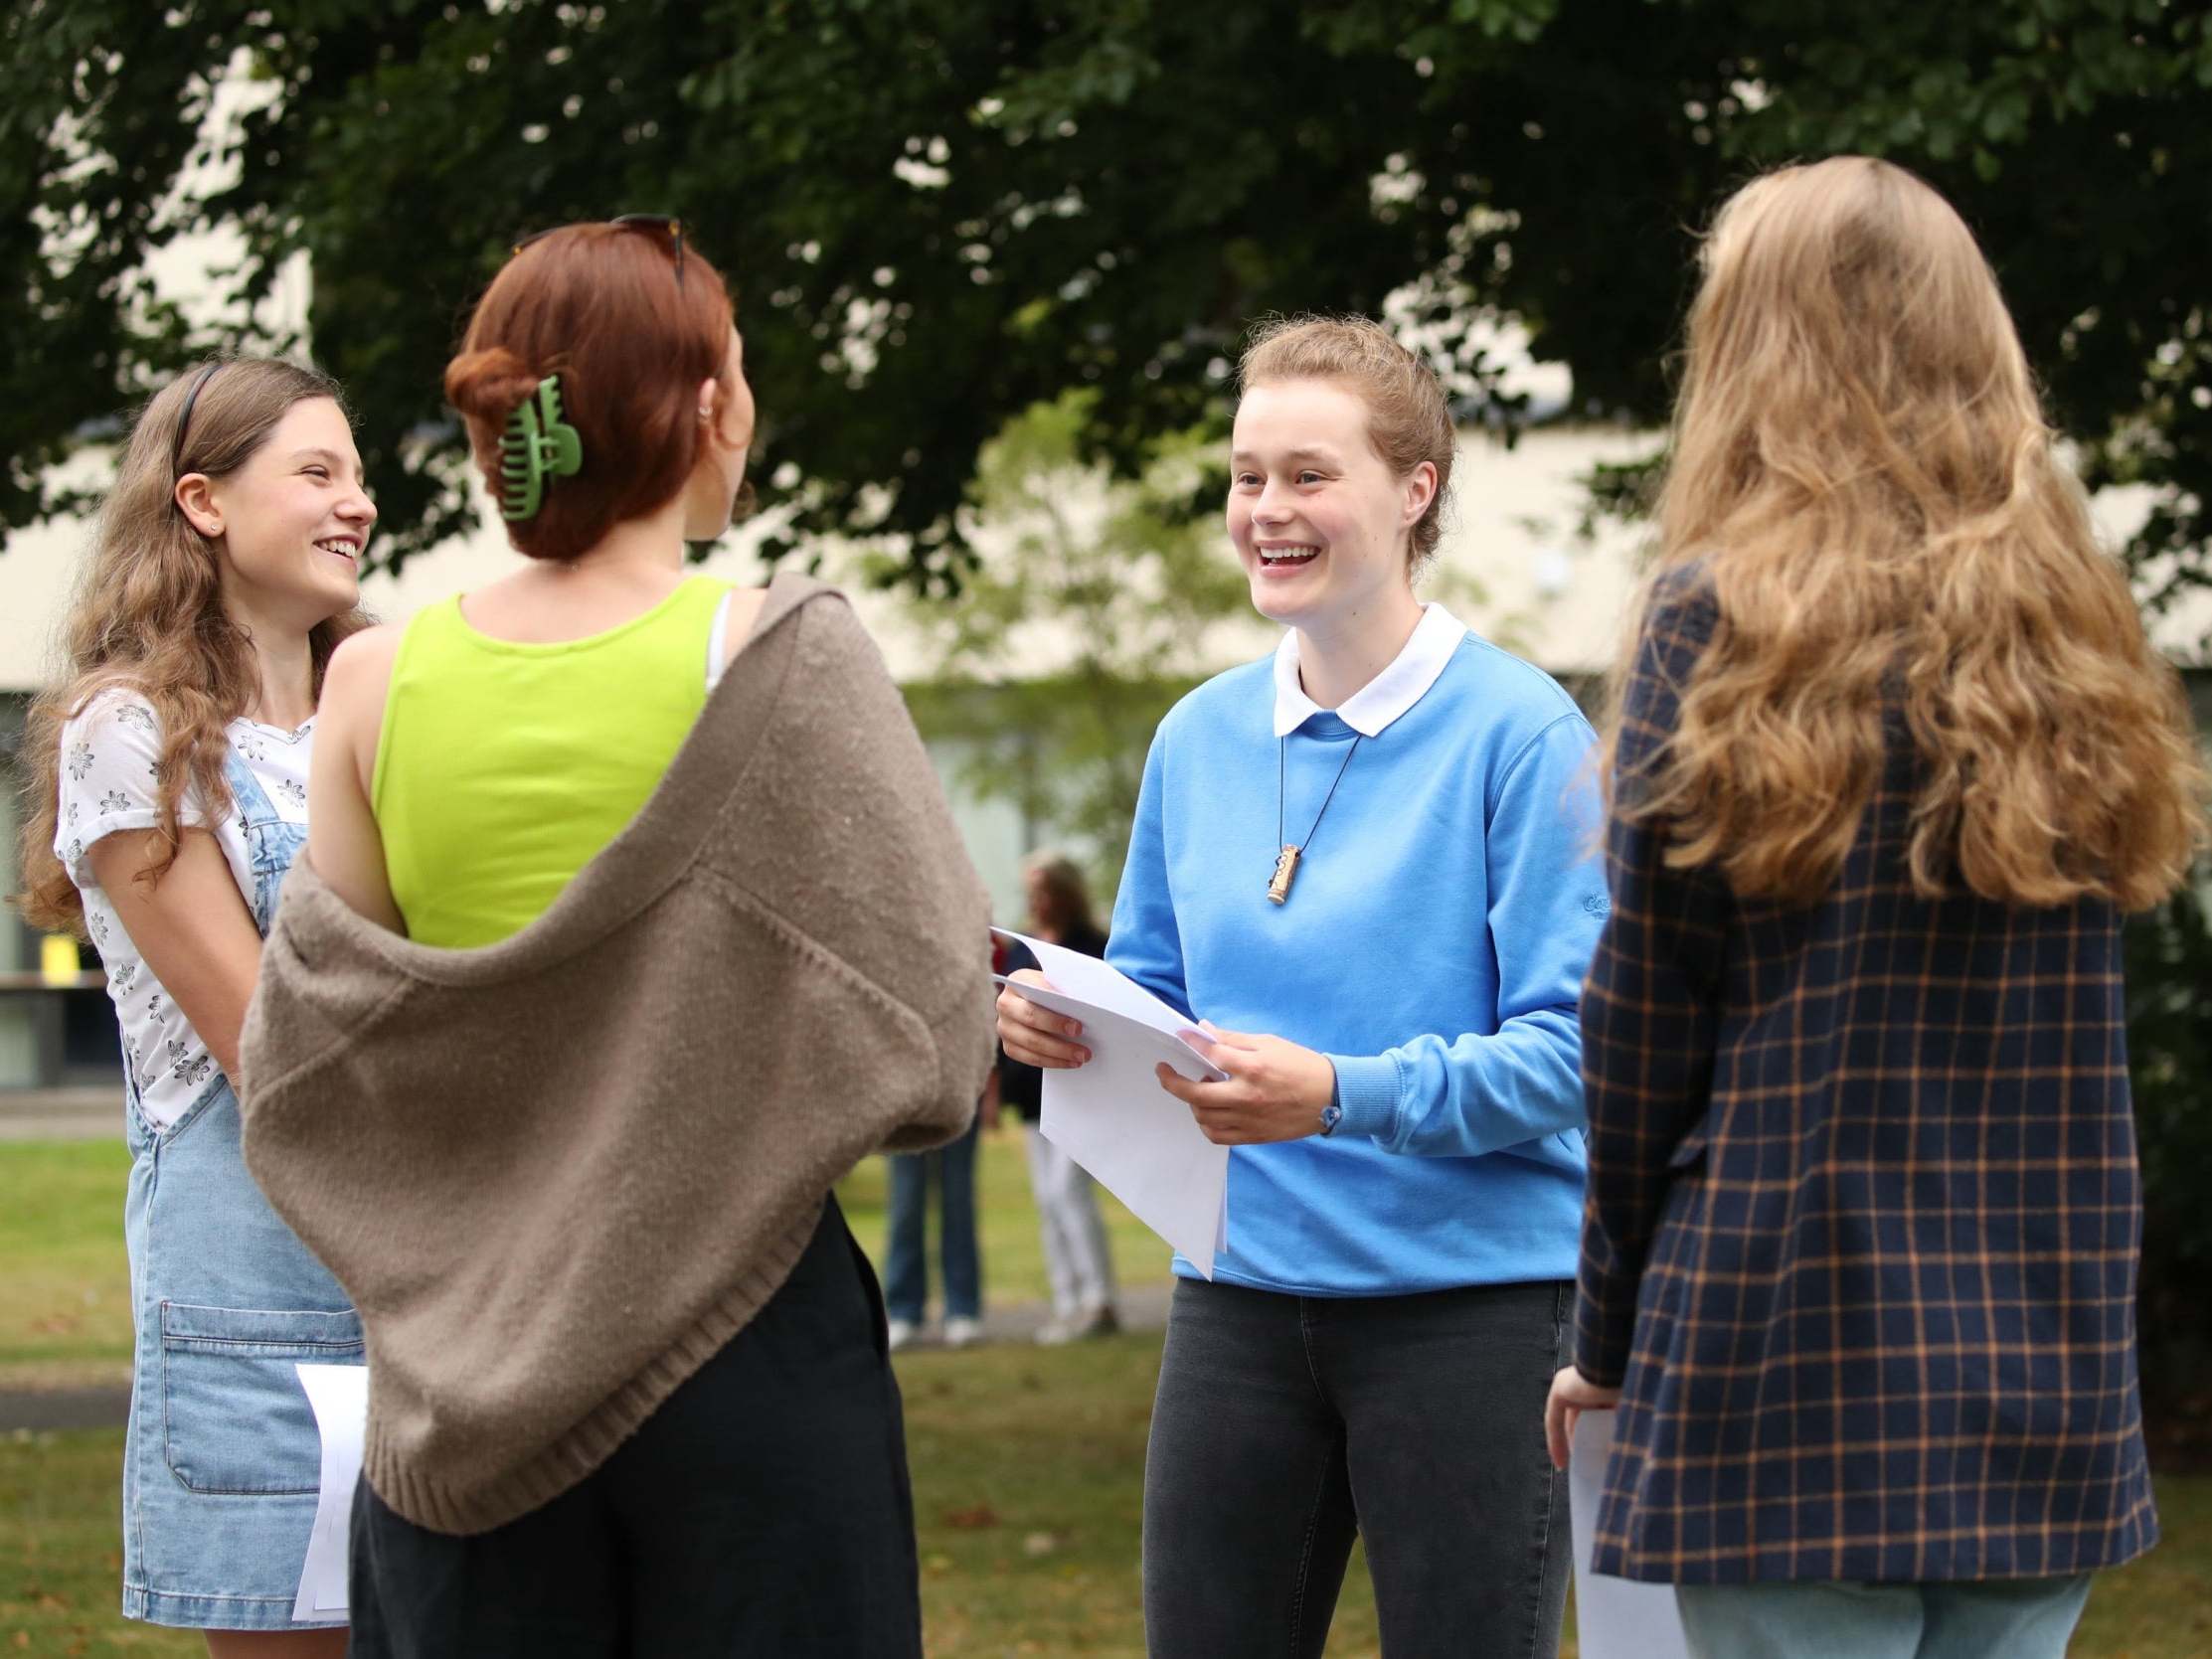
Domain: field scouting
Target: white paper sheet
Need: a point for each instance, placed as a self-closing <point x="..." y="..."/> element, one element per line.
<point x="339" y="1395"/>
<point x="1113" y="1118"/>
<point x="1614" y="1619"/>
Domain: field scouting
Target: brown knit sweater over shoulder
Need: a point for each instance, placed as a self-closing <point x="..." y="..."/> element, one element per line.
<point x="558" y="1173"/>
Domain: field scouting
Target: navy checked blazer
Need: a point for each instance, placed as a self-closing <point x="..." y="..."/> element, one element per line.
<point x="1863" y="1217"/>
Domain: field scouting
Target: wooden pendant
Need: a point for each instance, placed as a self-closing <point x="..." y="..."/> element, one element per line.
<point x="1286" y="870"/>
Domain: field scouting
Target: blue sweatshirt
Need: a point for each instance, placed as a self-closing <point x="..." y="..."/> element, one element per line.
<point x="1434" y="946"/>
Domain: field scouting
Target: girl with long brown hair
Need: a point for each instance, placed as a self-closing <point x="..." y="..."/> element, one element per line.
<point x="167" y="797"/>
<point x="1891" y="757"/>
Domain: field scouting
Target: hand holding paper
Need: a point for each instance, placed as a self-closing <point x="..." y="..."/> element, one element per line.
<point x="1275" y="1090"/>
<point x="1110" y="1114"/>
<point x="1033" y="1032"/>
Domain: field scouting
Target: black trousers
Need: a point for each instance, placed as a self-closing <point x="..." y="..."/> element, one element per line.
<point x="763" y="1509"/>
<point x="1287" y="1425"/>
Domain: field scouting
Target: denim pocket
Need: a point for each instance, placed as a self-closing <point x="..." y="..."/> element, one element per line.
<point x="234" y="1416"/>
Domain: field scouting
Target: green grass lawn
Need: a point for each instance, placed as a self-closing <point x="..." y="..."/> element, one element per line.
<point x="1028" y="1463"/>
<point x="64" y="1295"/>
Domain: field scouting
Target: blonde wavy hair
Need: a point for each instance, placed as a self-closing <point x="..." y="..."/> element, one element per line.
<point x="1862" y="474"/>
<point x="148" y="616"/>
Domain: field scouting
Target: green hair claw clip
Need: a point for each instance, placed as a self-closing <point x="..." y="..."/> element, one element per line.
<point x="538" y="445"/>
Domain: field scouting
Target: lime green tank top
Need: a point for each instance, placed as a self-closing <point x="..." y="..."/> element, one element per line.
<point x="502" y="769"/>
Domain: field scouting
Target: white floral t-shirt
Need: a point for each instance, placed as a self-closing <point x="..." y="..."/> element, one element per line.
<point x="110" y="754"/>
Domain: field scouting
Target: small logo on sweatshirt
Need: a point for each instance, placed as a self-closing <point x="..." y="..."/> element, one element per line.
<point x="1597" y="904"/>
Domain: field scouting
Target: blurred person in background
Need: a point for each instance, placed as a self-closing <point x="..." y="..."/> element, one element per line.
<point x="1078" y="1260"/>
<point x="911" y="1176"/>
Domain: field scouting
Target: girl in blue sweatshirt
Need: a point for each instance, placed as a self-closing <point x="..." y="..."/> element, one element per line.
<point x="1364" y="863"/>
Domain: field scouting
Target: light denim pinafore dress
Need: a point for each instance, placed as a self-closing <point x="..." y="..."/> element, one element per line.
<point x="222" y="1457"/>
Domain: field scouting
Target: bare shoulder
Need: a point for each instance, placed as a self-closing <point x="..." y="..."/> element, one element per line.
<point x="361" y="668"/>
<point x="745" y="610"/>
<point x="350" y="717"/>
<point x="354" y="687"/>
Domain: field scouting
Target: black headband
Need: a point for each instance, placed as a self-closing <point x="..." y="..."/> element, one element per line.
<point x="184" y="420"/>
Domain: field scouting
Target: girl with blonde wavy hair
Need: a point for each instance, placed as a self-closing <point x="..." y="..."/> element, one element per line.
<point x="167" y="797"/>
<point x="1891" y="756"/>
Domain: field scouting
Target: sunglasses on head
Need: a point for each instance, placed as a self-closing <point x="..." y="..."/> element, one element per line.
<point x="665" y="230"/>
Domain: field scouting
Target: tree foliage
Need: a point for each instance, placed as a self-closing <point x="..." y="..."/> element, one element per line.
<point x="1065" y="647"/>
<point x="940" y="214"/>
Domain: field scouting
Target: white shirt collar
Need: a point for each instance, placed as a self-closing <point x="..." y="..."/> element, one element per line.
<point x="1389" y="693"/>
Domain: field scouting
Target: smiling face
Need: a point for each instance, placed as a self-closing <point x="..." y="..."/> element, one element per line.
<point x="293" y="521"/>
<point x="718" y="478"/>
<point x="1316" y="516"/>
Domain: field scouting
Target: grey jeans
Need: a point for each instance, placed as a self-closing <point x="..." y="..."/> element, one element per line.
<point x="1286" y="1425"/>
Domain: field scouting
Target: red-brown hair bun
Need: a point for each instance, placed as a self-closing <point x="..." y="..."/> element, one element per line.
<point x="601" y="307"/>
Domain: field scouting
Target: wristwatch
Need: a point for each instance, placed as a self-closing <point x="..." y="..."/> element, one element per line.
<point x="1331" y="1115"/>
